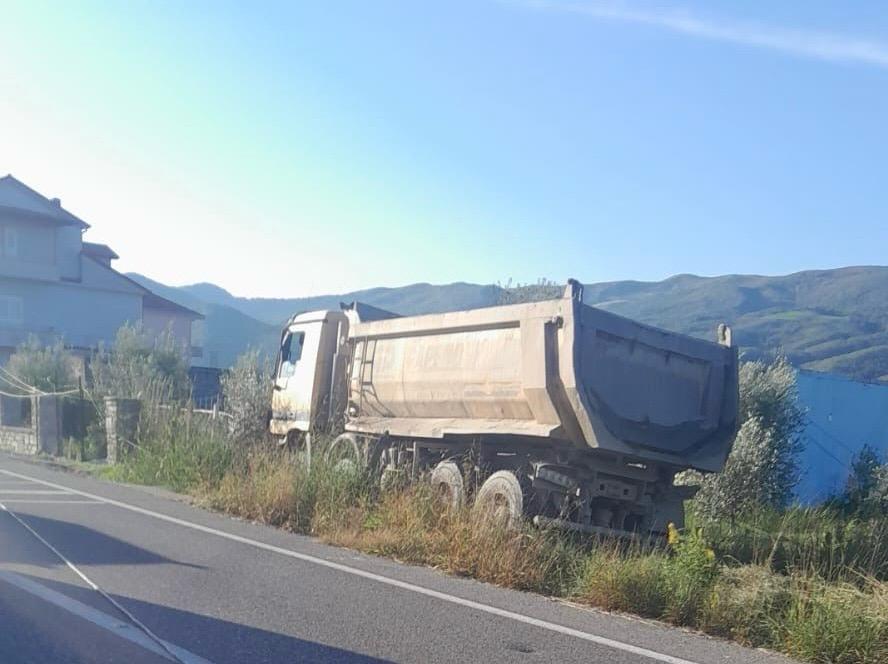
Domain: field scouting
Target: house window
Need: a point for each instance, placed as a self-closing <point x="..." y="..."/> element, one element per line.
<point x="11" y="310"/>
<point x="10" y="242"/>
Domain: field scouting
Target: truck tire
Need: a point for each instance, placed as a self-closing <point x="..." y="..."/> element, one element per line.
<point x="344" y="453"/>
<point x="447" y="484"/>
<point x="501" y="499"/>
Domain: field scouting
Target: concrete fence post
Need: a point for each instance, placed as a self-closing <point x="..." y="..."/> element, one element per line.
<point x="121" y="425"/>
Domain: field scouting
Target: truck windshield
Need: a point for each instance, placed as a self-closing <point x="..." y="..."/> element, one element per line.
<point x="291" y="352"/>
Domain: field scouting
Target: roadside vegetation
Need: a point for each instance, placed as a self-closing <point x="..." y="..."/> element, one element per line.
<point x="749" y="566"/>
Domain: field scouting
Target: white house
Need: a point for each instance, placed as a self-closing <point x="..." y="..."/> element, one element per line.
<point x="55" y="285"/>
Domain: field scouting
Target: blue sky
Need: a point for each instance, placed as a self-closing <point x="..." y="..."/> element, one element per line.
<point x="300" y="148"/>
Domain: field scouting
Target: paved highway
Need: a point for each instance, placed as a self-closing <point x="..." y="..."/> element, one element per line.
<point x="207" y="588"/>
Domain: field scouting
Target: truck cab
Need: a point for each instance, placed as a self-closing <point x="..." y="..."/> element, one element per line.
<point x="311" y="369"/>
<point x="303" y="398"/>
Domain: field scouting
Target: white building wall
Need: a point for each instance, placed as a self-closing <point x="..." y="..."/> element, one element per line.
<point x="32" y="254"/>
<point x="82" y="316"/>
<point x="69" y="243"/>
<point x="156" y="321"/>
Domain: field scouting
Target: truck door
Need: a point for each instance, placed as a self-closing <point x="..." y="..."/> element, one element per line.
<point x="294" y="378"/>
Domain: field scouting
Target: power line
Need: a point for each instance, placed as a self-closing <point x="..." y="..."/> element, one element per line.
<point x="846" y="446"/>
<point x="826" y="451"/>
<point x="11" y="379"/>
<point x="30" y="390"/>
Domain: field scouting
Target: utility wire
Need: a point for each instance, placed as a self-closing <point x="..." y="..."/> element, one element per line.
<point x="39" y="394"/>
<point x="17" y="383"/>
<point x="826" y="451"/>
<point x="847" y="447"/>
<point x="11" y="379"/>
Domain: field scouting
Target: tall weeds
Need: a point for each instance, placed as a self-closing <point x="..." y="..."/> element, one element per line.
<point x="781" y="589"/>
<point x="813" y="541"/>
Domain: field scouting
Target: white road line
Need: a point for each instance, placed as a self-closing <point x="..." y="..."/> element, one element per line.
<point x="33" y="492"/>
<point x="117" y="605"/>
<point x="117" y="627"/>
<point x="403" y="585"/>
<point x="38" y="501"/>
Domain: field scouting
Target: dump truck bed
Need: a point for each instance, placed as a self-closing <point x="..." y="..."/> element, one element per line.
<point x="557" y="370"/>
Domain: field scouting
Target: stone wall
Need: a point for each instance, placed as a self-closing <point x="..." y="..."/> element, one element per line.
<point x="38" y="432"/>
<point x="18" y="440"/>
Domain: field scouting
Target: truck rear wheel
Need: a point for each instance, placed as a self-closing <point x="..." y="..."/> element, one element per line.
<point x="501" y="499"/>
<point x="447" y="484"/>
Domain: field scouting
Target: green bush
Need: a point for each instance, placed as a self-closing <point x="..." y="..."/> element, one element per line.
<point x="247" y="391"/>
<point x="688" y="575"/>
<point x="139" y="366"/>
<point x="47" y="368"/>
<point x="762" y="469"/>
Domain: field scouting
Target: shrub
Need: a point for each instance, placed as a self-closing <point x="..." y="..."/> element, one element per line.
<point x="688" y="575"/>
<point x="276" y="487"/>
<point x="247" y="391"/>
<point x="47" y="368"/>
<point x="866" y="491"/>
<point x="140" y="367"/>
<point x="762" y="469"/>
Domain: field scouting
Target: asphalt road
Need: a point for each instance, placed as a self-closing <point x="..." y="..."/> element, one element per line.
<point x="215" y="589"/>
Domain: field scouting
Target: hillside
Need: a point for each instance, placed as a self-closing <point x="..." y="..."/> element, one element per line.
<point x="225" y="331"/>
<point x="825" y="320"/>
<point x="413" y="299"/>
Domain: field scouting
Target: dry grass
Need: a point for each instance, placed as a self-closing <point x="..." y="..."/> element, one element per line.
<point x="798" y="613"/>
<point x="410" y="526"/>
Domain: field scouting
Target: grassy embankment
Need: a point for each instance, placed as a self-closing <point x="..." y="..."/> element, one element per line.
<point x="807" y="582"/>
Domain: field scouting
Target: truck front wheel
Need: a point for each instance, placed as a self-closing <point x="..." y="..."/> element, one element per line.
<point x="344" y="453"/>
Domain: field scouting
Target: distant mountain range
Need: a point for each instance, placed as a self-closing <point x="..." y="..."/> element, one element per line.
<point x="824" y="320"/>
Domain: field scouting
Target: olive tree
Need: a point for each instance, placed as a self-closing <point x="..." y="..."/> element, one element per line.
<point x="247" y="391"/>
<point x="866" y="491"/>
<point x="141" y="366"/>
<point x="46" y="368"/>
<point x="762" y="469"/>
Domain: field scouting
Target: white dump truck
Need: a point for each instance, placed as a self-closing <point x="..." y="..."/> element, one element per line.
<point x="554" y="410"/>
